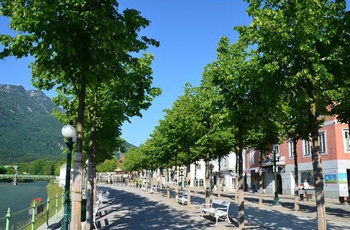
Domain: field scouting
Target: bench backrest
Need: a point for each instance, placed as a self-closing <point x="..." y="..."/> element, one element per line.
<point x="224" y="204"/>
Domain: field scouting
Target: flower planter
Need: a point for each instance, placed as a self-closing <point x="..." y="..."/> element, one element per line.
<point x="37" y="210"/>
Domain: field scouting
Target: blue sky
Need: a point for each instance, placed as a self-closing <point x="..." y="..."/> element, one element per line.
<point x="188" y="32"/>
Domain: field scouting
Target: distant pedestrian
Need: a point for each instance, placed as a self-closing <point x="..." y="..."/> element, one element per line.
<point x="255" y="187"/>
<point x="306" y="186"/>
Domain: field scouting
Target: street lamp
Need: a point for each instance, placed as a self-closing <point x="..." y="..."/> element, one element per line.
<point x="211" y="167"/>
<point x="181" y="177"/>
<point x="276" y="158"/>
<point x="68" y="132"/>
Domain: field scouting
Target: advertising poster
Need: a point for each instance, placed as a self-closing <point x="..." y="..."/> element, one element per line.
<point x="330" y="178"/>
<point x="343" y="178"/>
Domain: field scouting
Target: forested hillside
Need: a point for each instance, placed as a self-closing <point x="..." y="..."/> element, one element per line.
<point x="28" y="131"/>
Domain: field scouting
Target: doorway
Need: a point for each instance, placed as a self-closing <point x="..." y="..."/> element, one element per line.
<point x="279" y="184"/>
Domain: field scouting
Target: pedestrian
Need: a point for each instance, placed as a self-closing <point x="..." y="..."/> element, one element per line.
<point x="255" y="187"/>
<point x="306" y="186"/>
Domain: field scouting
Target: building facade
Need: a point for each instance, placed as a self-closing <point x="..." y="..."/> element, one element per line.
<point x="335" y="151"/>
<point x="334" y="142"/>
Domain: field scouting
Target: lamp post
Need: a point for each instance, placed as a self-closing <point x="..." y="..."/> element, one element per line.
<point x="276" y="158"/>
<point x="68" y="132"/>
<point x="211" y="167"/>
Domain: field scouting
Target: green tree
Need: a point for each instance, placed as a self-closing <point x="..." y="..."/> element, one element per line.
<point x="133" y="160"/>
<point x="109" y="165"/>
<point x="75" y="45"/>
<point x="232" y="74"/>
<point x="2" y="170"/>
<point x="293" y="39"/>
<point x="10" y="170"/>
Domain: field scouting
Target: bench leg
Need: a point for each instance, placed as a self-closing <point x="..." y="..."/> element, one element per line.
<point x="228" y="219"/>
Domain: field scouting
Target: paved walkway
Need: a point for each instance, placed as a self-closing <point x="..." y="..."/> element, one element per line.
<point x="132" y="208"/>
<point x="54" y="222"/>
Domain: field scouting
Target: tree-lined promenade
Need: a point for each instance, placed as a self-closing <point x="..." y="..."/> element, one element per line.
<point x="287" y="70"/>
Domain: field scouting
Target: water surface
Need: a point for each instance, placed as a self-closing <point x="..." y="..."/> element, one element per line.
<point x="18" y="197"/>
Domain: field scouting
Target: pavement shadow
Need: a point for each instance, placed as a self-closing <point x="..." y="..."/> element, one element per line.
<point x="270" y="217"/>
<point x="132" y="211"/>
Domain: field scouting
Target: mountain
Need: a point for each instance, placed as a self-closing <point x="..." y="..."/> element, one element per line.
<point x="28" y="131"/>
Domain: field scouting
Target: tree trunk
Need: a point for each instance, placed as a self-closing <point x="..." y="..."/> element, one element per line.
<point x="260" y="180"/>
<point x="90" y="201"/>
<point x="296" y="175"/>
<point x="78" y="164"/>
<point x="240" y="188"/>
<point x="237" y="177"/>
<point x="188" y="178"/>
<point x="317" y="168"/>
<point x="177" y="179"/>
<point x="218" y="182"/>
<point x="207" y="179"/>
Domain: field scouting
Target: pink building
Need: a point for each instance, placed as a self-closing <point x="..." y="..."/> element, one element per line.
<point x="335" y="150"/>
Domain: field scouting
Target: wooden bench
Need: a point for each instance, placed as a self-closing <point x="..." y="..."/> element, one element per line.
<point x="217" y="209"/>
<point x="182" y="199"/>
<point x="151" y="190"/>
<point x="95" y="214"/>
<point x="306" y="196"/>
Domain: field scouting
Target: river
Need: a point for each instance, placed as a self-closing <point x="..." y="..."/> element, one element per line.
<point x="18" y="198"/>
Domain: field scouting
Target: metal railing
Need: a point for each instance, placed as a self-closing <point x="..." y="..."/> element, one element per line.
<point x="27" y="176"/>
<point x="39" y="215"/>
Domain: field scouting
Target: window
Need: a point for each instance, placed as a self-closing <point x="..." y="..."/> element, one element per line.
<point x="307" y="176"/>
<point x="223" y="162"/>
<point x="322" y="141"/>
<point x="201" y="183"/>
<point x="346" y="140"/>
<point x="199" y="166"/>
<point x="306" y="148"/>
<point x="291" y="148"/>
<point x="252" y="155"/>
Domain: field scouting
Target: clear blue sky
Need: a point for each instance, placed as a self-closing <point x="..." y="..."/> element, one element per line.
<point x="188" y="32"/>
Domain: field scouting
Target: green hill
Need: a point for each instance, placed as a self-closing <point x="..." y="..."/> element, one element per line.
<point x="28" y="131"/>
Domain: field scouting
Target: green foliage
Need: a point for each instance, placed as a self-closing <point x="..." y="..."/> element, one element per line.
<point x="10" y="170"/>
<point x="2" y="170"/>
<point x="52" y="190"/>
<point x="134" y="160"/>
<point x="108" y="165"/>
<point x="302" y="48"/>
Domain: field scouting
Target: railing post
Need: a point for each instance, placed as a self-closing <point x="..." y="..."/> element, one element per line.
<point x="56" y="206"/>
<point x="8" y="216"/>
<point x="47" y="211"/>
<point x="62" y="200"/>
<point x="33" y="216"/>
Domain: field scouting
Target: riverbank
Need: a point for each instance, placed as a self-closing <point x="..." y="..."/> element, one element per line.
<point x="18" y="200"/>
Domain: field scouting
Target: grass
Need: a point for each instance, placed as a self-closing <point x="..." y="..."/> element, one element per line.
<point x="55" y="194"/>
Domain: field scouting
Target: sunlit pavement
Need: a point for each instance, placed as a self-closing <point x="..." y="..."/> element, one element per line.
<point x="132" y="208"/>
<point x="136" y="209"/>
